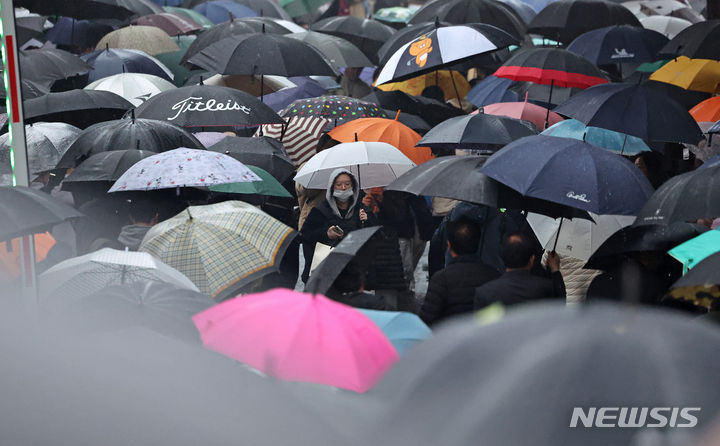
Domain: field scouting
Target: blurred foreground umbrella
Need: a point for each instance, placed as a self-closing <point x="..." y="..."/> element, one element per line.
<point x="607" y="139"/>
<point x="300" y="136"/>
<point x="403" y="329"/>
<point x="366" y="34"/>
<point x="10" y="256"/>
<point x="299" y="337"/>
<point x="134" y="87"/>
<point x="690" y="74"/>
<point x="693" y="251"/>
<point x="45" y="65"/>
<point x="698" y="41"/>
<point x="701" y="285"/>
<point x="110" y="61"/>
<point x="264" y="152"/>
<point x="25" y="211"/>
<point x="149" y="39"/>
<point x="46" y="143"/>
<point x="218" y="11"/>
<point x="267" y="185"/>
<point x="172" y="24"/>
<point x="80" y="108"/>
<point x="220" y="247"/>
<point x="79" y="9"/>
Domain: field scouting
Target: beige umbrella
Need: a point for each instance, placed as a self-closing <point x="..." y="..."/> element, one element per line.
<point x="150" y="39"/>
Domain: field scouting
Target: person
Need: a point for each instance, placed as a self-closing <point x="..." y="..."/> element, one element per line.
<point x="518" y="284"/>
<point x="349" y="288"/>
<point x="143" y="216"/>
<point x="451" y="290"/>
<point x="352" y="85"/>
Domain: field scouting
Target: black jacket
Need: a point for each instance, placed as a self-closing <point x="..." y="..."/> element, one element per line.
<point x="452" y="289"/>
<point x="518" y="286"/>
<point x="321" y="218"/>
<point x="386" y="268"/>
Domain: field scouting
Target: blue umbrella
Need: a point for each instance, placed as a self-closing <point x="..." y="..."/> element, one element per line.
<point x="492" y="90"/>
<point x="403" y="329"/>
<point x="570" y="172"/>
<point x="607" y="139"/>
<point x="305" y="88"/>
<point x="219" y="11"/>
<point x="78" y="33"/>
<point x="715" y="128"/>
<point x="619" y="44"/>
<point x="115" y="61"/>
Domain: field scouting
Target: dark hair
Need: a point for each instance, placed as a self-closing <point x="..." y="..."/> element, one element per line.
<point x="517" y="249"/>
<point x="351" y="279"/>
<point x="143" y="211"/>
<point x="434" y="92"/>
<point x="464" y="236"/>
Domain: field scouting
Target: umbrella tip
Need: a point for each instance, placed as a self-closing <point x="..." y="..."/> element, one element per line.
<point x="263" y="27"/>
<point x="437" y="22"/>
<point x="356" y="137"/>
<point x="201" y="81"/>
<point x="397" y="115"/>
<point x="132" y="115"/>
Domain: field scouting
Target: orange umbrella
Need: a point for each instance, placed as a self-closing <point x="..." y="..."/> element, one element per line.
<point x="390" y="131"/>
<point x="10" y="258"/>
<point x="707" y="111"/>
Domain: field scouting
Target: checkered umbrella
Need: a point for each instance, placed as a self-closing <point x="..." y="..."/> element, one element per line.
<point x="220" y="247"/>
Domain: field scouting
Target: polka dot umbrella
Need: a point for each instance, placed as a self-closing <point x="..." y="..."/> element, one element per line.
<point x="338" y="109"/>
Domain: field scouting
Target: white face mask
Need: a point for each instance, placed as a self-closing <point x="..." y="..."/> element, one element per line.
<point x="343" y="195"/>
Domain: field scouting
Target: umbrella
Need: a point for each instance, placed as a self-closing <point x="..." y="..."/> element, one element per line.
<point x="524" y="110"/>
<point x="104" y="167"/>
<point x="700" y="285"/>
<point x="266" y="153"/>
<point x="220" y="247"/>
<point x="286" y="26"/>
<point x="148" y="39"/>
<point x="384" y="130"/>
<point x="71" y="280"/>
<point x="576" y="238"/>
<point x="79" y="9"/>
<point x="395" y="14"/>
<point x="697" y="41"/>
<point x="492" y="90"/>
<point x="618" y="44"/>
<point x="674" y="8"/>
<point x="183" y="167"/>
<point x="570" y="172"/>
<point x="297" y="8"/>
<point x="182" y="75"/>
<point x="477" y="132"/>
<point x="338" y="51"/>
<point x="267" y="8"/>
<point x="140" y="7"/>
<point x="403" y="329"/>
<point x="46" y="142"/>
<point x="374" y="164"/>
<point x="122" y="134"/>
<point x="337" y="109"/>
<point x="565" y="20"/>
<point x="172" y="24"/>
<point x="707" y="111"/>
<point x="366" y="34"/>
<point x="300" y="136"/>
<point x="458" y="12"/>
<point x="635" y="110"/>
<point x="208" y="139"/>
<point x="403" y="36"/>
<point x="219" y="11"/>
<point x="430" y="110"/>
<point x="299" y="337"/>
<point x="134" y="87"/>
<point x="551" y="66"/>
<point x="267" y="186"/>
<point x="305" y="88"/>
<point x="452" y="83"/>
<point x="667" y="26"/>
<point x="189" y="14"/>
<point x="10" y="256"/>
<point x="47" y="65"/>
<point x="25" y="211"/>
<point x="207" y="106"/>
<point x="80" y="108"/>
<point x="695" y="250"/>
<point x="77" y="33"/>
<point x="686" y="98"/>
<point x="690" y="74"/>
<point x="541" y="364"/>
<point x="607" y="139"/>
<point x="111" y="61"/>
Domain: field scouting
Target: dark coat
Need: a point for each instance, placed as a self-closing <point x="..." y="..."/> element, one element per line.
<point x="518" y="286"/>
<point x="360" y="299"/>
<point x="321" y="218"/>
<point x="386" y="268"/>
<point x="452" y="289"/>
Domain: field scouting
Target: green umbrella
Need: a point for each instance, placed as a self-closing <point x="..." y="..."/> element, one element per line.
<point x="297" y="8"/>
<point x="651" y="67"/>
<point x="172" y="60"/>
<point x="696" y="249"/>
<point x="268" y="186"/>
<point x="192" y="15"/>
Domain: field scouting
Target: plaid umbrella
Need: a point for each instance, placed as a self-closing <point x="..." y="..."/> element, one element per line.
<point x="220" y="247"/>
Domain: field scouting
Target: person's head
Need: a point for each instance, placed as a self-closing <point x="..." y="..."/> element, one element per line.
<point x="352" y="73"/>
<point x="463" y="237"/>
<point x="143" y="213"/>
<point x="325" y="142"/>
<point x="434" y="92"/>
<point x="518" y="251"/>
<point x="351" y="279"/>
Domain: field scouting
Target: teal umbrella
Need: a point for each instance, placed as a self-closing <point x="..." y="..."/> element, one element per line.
<point x="607" y="139"/>
<point x="403" y="329"/>
<point x="297" y="8"/>
<point x="696" y="249"/>
<point x="192" y="15"/>
<point x="268" y="186"/>
<point x="173" y="59"/>
<point x="395" y="14"/>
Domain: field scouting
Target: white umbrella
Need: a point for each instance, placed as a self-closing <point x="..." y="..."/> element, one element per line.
<point x="667" y="26"/>
<point x="183" y="167"/>
<point x="81" y="276"/>
<point x="375" y="164"/>
<point x="135" y="87"/>
<point x="578" y="238"/>
<point x="670" y="8"/>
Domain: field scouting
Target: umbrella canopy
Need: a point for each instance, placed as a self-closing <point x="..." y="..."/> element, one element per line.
<point x="687" y="197"/>
<point x="673" y="8"/>
<point x="79" y="9"/>
<point x="183" y="167"/>
<point x="338" y="51"/>
<point x="690" y="74"/>
<point x="218" y="11"/>
<point x="47" y="65"/>
<point x="77" y="33"/>
<point x="337" y="109"/>
<point x="207" y="106"/>
<point x="701" y="285"/>
<point x="403" y="36"/>
<point x="707" y="111"/>
<point x="267" y="185"/>
<point x="524" y="110"/>
<point x="148" y="39"/>
<point x="297" y="8"/>
<point x="110" y="61"/>
<point x="141" y="7"/>
<point x="304" y="88"/>
<point x="619" y="44"/>
<point x="452" y="83"/>
<point x="80" y="108"/>
<point x="25" y="211"/>
<point x="551" y="66"/>
<point x="395" y="14"/>
<point x="300" y="136"/>
<point x="565" y="20"/>
<point x="607" y="139"/>
<point x="430" y="110"/>
<point x="374" y="164"/>
<point x="695" y="250"/>
<point x="458" y="12"/>
<point x="142" y="134"/>
<point x="299" y="337"/>
<point x="477" y="132"/>
<point x="269" y="9"/>
<point x="403" y="329"/>
<point x="189" y="14"/>
<point x="439" y="47"/>
<point x="134" y="87"/>
<point x="46" y="142"/>
<point x="264" y="152"/>
<point x="384" y="130"/>
<point x="172" y="24"/>
<point x="366" y="34"/>
<point x="635" y="110"/>
<point x="697" y="41"/>
<point x="570" y="172"/>
<point x="667" y="26"/>
<point x="492" y="90"/>
<point x="220" y="247"/>
<point x="71" y="280"/>
<point x="104" y="167"/>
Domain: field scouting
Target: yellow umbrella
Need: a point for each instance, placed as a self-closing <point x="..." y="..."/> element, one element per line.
<point x="415" y="86"/>
<point x="690" y="74"/>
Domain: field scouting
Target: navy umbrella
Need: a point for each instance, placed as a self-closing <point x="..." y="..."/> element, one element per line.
<point x="77" y="33"/>
<point x="492" y="90"/>
<point x="633" y="109"/>
<point x="458" y="12"/>
<point x="115" y="60"/>
<point x="219" y="11"/>
<point x="619" y="44"/>
<point x="477" y="132"/>
<point x="570" y="172"/>
<point x="305" y="87"/>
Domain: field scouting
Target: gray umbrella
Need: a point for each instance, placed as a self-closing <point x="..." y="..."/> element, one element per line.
<point x="340" y="52"/>
<point x="46" y="142"/>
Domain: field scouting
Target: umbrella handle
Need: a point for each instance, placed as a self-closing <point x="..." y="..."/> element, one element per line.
<point x="557" y="236"/>
<point x="547" y="113"/>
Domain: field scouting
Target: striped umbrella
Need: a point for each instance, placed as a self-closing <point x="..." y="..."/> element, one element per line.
<point x="300" y="136"/>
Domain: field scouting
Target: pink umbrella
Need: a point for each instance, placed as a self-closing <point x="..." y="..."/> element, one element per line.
<point x="299" y="337"/>
<point x="523" y="110"/>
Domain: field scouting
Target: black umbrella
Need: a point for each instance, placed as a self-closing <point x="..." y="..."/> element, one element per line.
<point x="80" y="108"/>
<point x="123" y="134"/>
<point x="116" y="60"/>
<point x="458" y="12"/>
<point x="77" y="33"/>
<point x="686" y="98"/>
<point x="340" y="52"/>
<point x="25" y="211"/>
<point x="140" y="7"/>
<point x="266" y="8"/>
<point x="477" y="132"/>
<point x="430" y="110"/>
<point x="104" y="167"/>
<point x="619" y="44"/>
<point x="207" y="106"/>
<point x="565" y="20"/>
<point x="47" y="65"/>
<point x="698" y="41"/>
<point x="330" y="268"/>
<point x="700" y="285"/>
<point x="633" y="109"/>
<point x="687" y="197"/>
<point x="552" y="367"/>
<point x="266" y="153"/>
<point x="413" y="121"/>
<point x="79" y="9"/>
<point x="403" y="36"/>
<point x="368" y="35"/>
